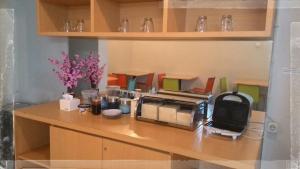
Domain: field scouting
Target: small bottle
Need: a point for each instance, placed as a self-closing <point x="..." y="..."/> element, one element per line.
<point x="138" y="93"/>
<point x="96" y="106"/>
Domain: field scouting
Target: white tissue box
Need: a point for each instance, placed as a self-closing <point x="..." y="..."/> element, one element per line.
<point x="168" y="113"/>
<point x="150" y="110"/>
<point x="185" y="117"/>
<point x="69" y="104"/>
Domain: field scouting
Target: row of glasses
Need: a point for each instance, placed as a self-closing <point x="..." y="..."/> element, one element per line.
<point x="226" y="24"/>
<point x="147" y="26"/>
<point x="74" y="26"/>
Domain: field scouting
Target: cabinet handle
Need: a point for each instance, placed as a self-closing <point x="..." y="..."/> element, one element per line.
<point x="105" y="148"/>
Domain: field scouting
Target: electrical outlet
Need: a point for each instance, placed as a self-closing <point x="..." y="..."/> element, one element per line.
<point x="272" y="127"/>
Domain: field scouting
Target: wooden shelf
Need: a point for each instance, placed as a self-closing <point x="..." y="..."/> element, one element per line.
<point x="39" y="156"/>
<point x="172" y="19"/>
<point x="160" y="35"/>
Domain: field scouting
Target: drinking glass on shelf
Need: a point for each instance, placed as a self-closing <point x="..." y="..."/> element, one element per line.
<point x="67" y="26"/>
<point x="80" y="25"/>
<point x="226" y="23"/>
<point x="148" y="25"/>
<point x="123" y="25"/>
<point x="201" y="25"/>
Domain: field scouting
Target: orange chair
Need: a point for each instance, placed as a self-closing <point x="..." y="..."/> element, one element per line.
<point x="146" y="86"/>
<point x="112" y="80"/>
<point x="160" y="80"/>
<point x="208" y="89"/>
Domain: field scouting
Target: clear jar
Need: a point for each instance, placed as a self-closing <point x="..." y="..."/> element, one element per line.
<point x="201" y="25"/>
<point x="80" y="25"/>
<point x="226" y="23"/>
<point x="148" y="25"/>
<point x="67" y="26"/>
<point x="124" y="25"/>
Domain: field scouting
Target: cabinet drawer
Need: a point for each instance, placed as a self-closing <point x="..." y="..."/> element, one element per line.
<point x="119" y="155"/>
<point x="74" y="149"/>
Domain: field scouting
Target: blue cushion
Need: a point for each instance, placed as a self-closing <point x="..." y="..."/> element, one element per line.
<point x="131" y="84"/>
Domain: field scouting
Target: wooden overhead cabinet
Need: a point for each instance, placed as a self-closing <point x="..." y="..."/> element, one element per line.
<point x="173" y="19"/>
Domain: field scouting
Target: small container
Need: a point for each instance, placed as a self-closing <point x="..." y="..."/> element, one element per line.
<point x="84" y="108"/>
<point x="138" y="93"/>
<point x="96" y="106"/>
<point x="113" y="102"/>
<point x="104" y="102"/>
<point x="125" y="105"/>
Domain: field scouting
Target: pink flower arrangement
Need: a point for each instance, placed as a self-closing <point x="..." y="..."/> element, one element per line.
<point x="71" y="70"/>
<point x="94" y="73"/>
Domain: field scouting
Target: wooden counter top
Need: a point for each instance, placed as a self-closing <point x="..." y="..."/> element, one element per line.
<point x="241" y="153"/>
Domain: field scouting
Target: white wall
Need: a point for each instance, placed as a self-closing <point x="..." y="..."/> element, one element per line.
<point x="277" y="147"/>
<point x="232" y="59"/>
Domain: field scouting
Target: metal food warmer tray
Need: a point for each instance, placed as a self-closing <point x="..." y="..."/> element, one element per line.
<point x="196" y="105"/>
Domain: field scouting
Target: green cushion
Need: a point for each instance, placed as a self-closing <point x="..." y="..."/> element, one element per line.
<point x="253" y="91"/>
<point x="223" y="85"/>
<point x="171" y="84"/>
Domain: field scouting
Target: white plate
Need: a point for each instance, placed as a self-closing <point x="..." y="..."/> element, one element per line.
<point x="112" y="113"/>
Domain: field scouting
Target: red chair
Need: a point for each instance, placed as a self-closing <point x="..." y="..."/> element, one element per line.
<point x="160" y="80"/>
<point x="146" y="86"/>
<point x="122" y="81"/>
<point x="208" y="89"/>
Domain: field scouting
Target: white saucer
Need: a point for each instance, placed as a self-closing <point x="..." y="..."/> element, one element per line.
<point x="112" y="113"/>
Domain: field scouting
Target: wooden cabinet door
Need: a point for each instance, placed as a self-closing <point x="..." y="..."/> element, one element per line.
<point x="119" y="155"/>
<point x="74" y="149"/>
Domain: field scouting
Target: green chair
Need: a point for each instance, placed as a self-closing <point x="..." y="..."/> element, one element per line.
<point x="171" y="84"/>
<point x="253" y="91"/>
<point x="223" y="85"/>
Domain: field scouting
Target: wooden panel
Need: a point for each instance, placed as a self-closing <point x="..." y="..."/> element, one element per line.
<point x="217" y="35"/>
<point x="82" y="150"/>
<point x="107" y="16"/>
<point x="39" y="156"/>
<point x="176" y="19"/>
<point x="118" y="155"/>
<point x="51" y="17"/>
<point x="29" y="135"/>
<point x="136" y="12"/>
<point x="270" y="17"/>
<point x="68" y="2"/>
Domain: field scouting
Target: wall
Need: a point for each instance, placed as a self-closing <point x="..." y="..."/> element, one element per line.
<point x="278" y="146"/>
<point x="82" y="47"/>
<point x="34" y="81"/>
<point x="232" y="59"/>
